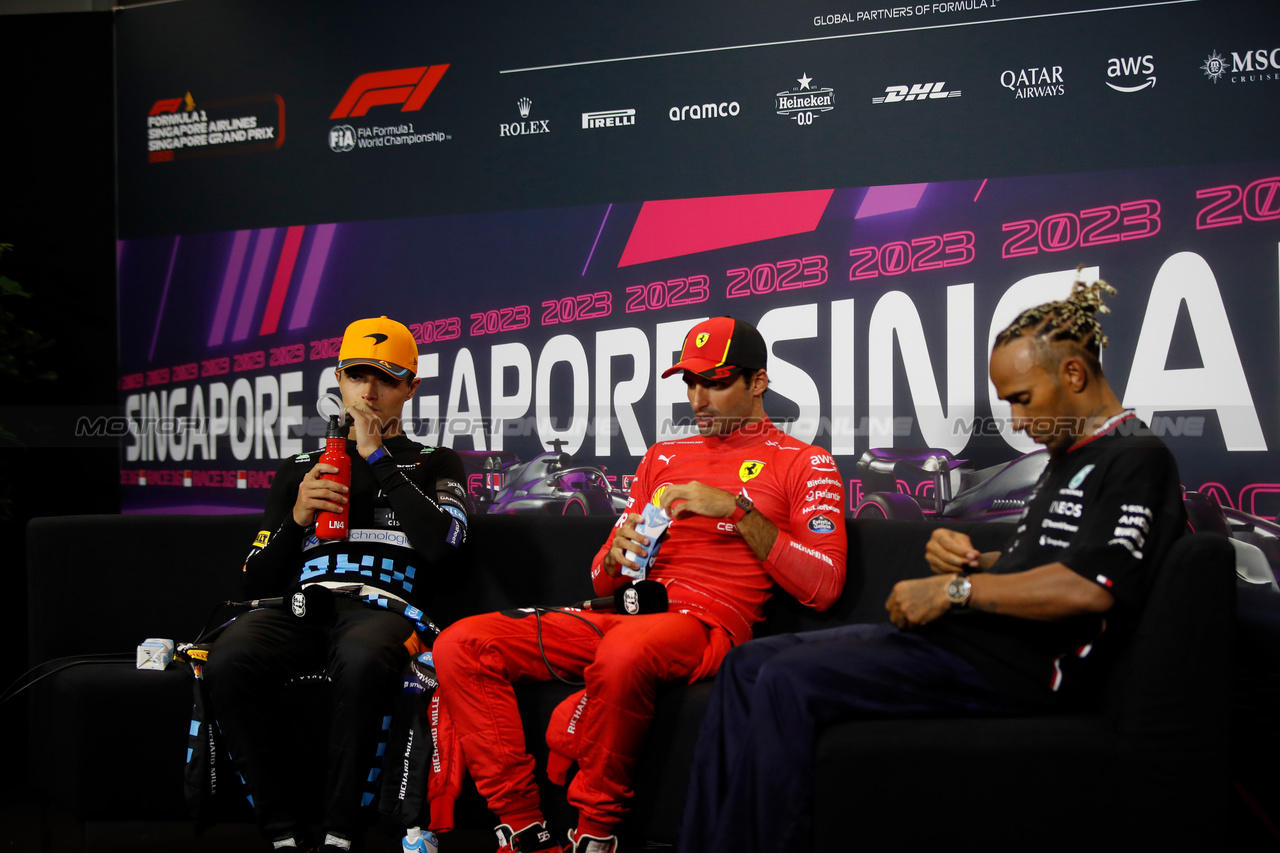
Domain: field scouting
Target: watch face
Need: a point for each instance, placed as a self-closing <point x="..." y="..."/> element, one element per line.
<point x="744" y="503"/>
<point x="958" y="589"/>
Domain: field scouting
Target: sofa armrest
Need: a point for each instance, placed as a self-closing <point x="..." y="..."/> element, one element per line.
<point x="104" y="583"/>
<point x="881" y="553"/>
<point x="1174" y="676"/>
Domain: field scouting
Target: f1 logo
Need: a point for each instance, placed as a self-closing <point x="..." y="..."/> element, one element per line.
<point x="408" y="86"/>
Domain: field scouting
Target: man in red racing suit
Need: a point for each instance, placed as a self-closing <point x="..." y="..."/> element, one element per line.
<point x="751" y="507"/>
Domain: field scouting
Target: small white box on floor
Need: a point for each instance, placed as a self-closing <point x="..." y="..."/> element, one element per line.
<point x="155" y="653"/>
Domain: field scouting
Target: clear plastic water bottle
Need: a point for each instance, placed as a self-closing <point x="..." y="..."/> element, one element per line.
<point x="417" y="841"/>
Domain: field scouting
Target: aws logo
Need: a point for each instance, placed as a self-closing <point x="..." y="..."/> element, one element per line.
<point x="1131" y="66"/>
<point x="407" y="86"/>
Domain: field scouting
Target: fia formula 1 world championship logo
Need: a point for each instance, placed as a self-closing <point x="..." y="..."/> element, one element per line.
<point x="408" y="87"/>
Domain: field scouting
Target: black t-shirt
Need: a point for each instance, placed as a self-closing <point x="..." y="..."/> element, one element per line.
<point x="407" y="519"/>
<point x="1108" y="509"/>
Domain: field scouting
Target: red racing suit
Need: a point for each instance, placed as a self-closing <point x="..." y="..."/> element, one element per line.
<point x="709" y="570"/>
<point x="717" y="589"/>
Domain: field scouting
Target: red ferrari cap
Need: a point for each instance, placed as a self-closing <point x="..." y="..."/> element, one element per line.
<point x="716" y="348"/>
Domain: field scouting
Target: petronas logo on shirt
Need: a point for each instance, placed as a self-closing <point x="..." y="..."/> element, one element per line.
<point x="1079" y="477"/>
<point x="750" y="469"/>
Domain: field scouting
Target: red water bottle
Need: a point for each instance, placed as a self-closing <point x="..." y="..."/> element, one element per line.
<point x="333" y="525"/>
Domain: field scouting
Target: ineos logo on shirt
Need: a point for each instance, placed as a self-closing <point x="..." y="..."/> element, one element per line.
<point x="1066" y="508"/>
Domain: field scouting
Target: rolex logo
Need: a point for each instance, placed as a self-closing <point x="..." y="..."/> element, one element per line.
<point x="525" y="126"/>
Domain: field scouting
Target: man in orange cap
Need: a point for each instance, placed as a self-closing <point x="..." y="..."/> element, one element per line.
<point x="750" y="507"/>
<point x="407" y="519"/>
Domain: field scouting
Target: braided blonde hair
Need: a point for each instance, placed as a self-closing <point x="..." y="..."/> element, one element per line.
<point x="1070" y="325"/>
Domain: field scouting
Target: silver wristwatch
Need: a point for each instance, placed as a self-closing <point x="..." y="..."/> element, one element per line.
<point x="959" y="589"/>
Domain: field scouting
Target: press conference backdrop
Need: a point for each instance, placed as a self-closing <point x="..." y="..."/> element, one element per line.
<point x="551" y="197"/>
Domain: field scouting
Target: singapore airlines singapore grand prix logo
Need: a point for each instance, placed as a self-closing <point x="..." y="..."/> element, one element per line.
<point x="407" y="87"/>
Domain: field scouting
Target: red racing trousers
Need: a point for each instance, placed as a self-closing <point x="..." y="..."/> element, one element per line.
<point x="480" y="658"/>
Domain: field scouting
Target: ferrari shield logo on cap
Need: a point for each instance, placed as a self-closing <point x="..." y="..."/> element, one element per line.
<point x="751" y="468"/>
<point x="702" y="339"/>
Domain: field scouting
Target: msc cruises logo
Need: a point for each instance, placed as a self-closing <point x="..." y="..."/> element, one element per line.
<point x="803" y="103"/>
<point x="1252" y="66"/>
<point x="1215" y="67"/>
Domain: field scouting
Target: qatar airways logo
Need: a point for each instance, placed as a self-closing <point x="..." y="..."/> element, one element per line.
<point x="803" y="103"/>
<point x="1131" y="73"/>
<point x="1042" y="82"/>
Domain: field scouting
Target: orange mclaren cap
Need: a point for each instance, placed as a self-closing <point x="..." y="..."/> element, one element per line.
<point x="715" y="348"/>
<point x="382" y="343"/>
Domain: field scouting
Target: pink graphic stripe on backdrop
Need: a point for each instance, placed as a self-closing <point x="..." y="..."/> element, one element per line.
<point x="890" y="199"/>
<point x="280" y="284"/>
<point x="253" y="282"/>
<point x="227" y="293"/>
<point x="321" y="239"/>
<point x="686" y="226"/>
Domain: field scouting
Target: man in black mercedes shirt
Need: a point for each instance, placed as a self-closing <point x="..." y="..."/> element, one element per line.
<point x="1008" y="632"/>
<point x="407" y="519"/>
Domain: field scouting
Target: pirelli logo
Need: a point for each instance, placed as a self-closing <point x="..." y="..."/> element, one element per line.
<point x="263" y="537"/>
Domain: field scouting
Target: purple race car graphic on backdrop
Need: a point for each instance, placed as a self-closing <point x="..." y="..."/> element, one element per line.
<point x="548" y="484"/>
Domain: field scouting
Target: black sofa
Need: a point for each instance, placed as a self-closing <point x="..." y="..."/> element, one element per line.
<point x="108" y="741"/>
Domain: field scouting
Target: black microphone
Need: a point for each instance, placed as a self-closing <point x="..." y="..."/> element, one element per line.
<point x="633" y="598"/>
<point x="312" y="603"/>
